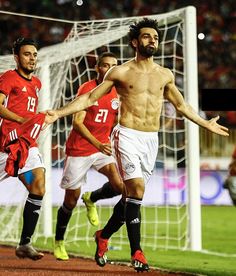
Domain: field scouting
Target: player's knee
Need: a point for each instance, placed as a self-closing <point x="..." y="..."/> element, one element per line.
<point x="136" y="190"/>
<point x="71" y="199"/>
<point x="136" y="194"/>
<point x="38" y="185"/>
<point x="70" y="203"/>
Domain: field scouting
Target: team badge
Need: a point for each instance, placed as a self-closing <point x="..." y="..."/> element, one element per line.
<point x="115" y="103"/>
<point x="129" y="168"/>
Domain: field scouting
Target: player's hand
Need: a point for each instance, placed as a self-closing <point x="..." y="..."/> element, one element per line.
<point x="51" y="117"/>
<point x="105" y="149"/>
<point x="217" y="128"/>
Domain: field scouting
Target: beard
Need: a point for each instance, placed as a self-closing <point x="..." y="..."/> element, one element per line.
<point x="25" y="69"/>
<point x="147" y="51"/>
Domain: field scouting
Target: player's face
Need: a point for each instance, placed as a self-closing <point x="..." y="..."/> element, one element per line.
<point x="105" y="65"/>
<point x="147" y="44"/>
<point x="27" y="59"/>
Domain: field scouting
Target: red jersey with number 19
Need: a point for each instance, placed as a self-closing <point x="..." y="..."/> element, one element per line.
<point x="21" y="98"/>
<point x="99" y="120"/>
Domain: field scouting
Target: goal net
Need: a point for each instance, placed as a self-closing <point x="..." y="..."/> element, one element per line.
<point x="171" y="207"/>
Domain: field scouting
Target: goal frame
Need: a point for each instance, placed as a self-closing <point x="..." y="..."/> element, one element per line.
<point x="193" y="148"/>
<point x="192" y="134"/>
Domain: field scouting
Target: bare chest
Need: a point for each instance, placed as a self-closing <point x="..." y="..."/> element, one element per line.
<point x="148" y="83"/>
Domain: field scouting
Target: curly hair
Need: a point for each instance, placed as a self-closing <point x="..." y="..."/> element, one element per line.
<point x="134" y="29"/>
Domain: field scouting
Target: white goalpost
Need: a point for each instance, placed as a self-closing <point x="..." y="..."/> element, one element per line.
<point x="171" y="215"/>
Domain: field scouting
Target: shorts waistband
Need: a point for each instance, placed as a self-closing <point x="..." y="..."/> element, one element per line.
<point x="137" y="132"/>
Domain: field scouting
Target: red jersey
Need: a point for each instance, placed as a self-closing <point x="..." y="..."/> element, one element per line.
<point x="99" y="121"/>
<point x="18" y="142"/>
<point x="21" y="98"/>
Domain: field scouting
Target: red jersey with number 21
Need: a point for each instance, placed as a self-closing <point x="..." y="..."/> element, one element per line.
<point x="99" y="120"/>
<point x="21" y="98"/>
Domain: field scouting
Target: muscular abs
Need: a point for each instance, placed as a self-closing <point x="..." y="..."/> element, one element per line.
<point x="141" y="101"/>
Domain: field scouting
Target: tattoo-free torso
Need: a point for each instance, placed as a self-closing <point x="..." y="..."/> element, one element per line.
<point x="141" y="94"/>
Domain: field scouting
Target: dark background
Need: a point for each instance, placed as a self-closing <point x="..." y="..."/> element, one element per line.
<point x="215" y="18"/>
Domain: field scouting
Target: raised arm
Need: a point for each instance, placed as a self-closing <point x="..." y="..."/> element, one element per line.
<point x="173" y="95"/>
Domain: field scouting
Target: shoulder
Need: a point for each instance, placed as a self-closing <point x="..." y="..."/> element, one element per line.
<point x="8" y="74"/>
<point x="89" y="84"/>
<point x="36" y="80"/>
<point x="8" y="79"/>
<point x="128" y="65"/>
<point x="119" y="70"/>
<point x="163" y="69"/>
<point x="114" y="70"/>
<point x="86" y="87"/>
<point x="165" y="72"/>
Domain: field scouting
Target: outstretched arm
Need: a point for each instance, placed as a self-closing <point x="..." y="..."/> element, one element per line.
<point x="173" y="95"/>
<point x="79" y="103"/>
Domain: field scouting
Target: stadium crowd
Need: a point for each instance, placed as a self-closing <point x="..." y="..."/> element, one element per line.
<point x="216" y="20"/>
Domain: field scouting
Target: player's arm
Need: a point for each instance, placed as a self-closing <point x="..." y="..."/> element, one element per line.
<point x="80" y="103"/>
<point x="78" y="125"/>
<point x="173" y="95"/>
<point x="6" y="113"/>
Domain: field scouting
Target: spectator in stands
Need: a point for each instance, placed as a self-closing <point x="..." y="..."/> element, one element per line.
<point x="216" y="19"/>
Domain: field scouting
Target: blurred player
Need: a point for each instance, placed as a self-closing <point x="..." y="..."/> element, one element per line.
<point x="19" y="91"/>
<point x="88" y="146"/>
<point x="142" y="85"/>
<point x="230" y="182"/>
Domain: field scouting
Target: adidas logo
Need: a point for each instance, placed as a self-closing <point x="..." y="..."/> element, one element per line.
<point x="24" y="89"/>
<point x="135" y="221"/>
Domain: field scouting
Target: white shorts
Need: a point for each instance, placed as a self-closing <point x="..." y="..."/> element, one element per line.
<point x="33" y="161"/>
<point x="76" y="168"/>
<point x="135" y="152"/>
